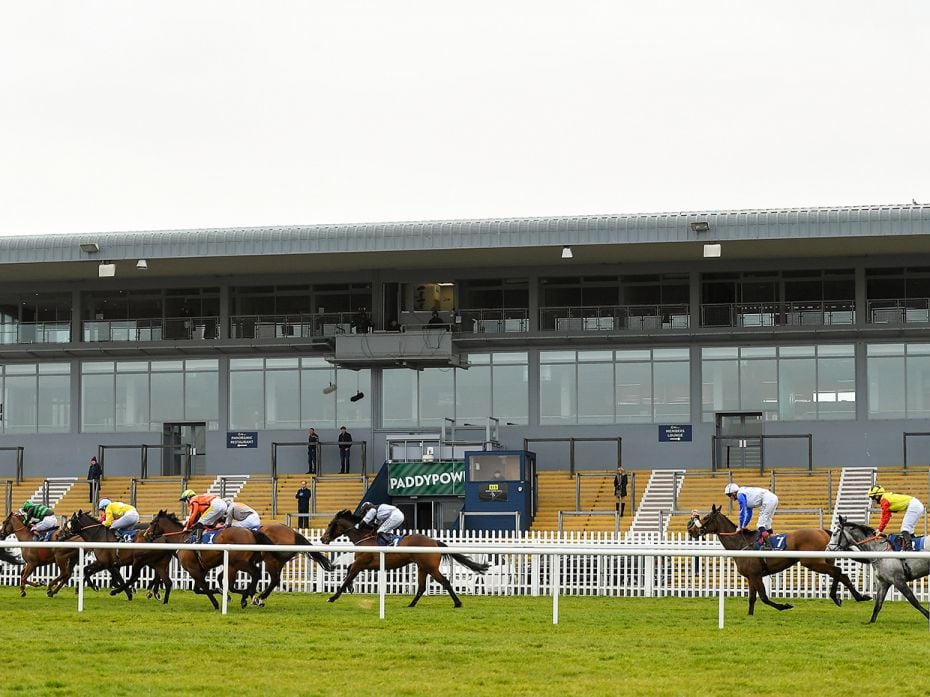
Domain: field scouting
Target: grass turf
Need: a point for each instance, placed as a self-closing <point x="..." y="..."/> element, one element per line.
<point x="302" y="645"/>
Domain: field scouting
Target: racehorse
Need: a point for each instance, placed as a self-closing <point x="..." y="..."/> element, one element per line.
<point x="754" y="568"/>
<point x="34" y="557"/>
<point x="896" y="571"/>
<point x="274" y="561"/>
<point x="92" y="530"/>
<point x="198" y="563"/>
<point x="344" y="522"/>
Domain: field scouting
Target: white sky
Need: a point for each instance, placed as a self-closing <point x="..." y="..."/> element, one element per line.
<point x="120" y="115"/>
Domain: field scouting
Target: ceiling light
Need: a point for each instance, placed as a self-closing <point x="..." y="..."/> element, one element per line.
<point x="357" y="396"/>
<point x="106" y="269"/>
<point x="90" y="247"/>
<point x="329" y="389"/>
<point x="142" y="265"/>
<point x="711" y="251"/>
<point x="700" y="226"/>
<point x="567" y="253"/>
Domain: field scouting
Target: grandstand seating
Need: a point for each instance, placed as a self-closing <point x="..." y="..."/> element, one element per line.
<point x="556" y="491"/>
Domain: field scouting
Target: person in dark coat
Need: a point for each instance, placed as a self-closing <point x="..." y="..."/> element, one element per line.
<point x="303" y="505"/>
<point x="312" y="444"/>
<point x="621" y="486"/>
<point x="345" y="445"/>
<point x="94" y="472"/>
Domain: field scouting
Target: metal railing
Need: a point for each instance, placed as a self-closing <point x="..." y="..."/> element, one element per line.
<point x="495" y="320"/>
<point x="631" y="489"/>
<point x="899" y="311"/>
<point x="291" y="326"/>
<point x="19" y="450"/>
<point x="151" y="329"/>
<point x="361" y="444"/>
<point x="614" y="318"/>
<point x="615" y="514"/>
<point x="36" y="333"/>
<point x="779" y="314"/>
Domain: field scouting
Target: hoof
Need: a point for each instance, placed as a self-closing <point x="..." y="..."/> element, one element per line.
<point x="331" y="599"/>
<point x="22" y="594"/>
<point x="838" y="602"/>
<point x="865" y="598"/>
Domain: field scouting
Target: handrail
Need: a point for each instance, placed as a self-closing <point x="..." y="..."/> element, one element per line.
<point x="19" y="450"/>
<point x="615" y="514"/>
<point x="319" y="459"/>
<point x="572" y="441"/>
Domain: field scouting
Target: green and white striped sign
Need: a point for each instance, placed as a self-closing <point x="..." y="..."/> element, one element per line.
<point x="426" y="479"/>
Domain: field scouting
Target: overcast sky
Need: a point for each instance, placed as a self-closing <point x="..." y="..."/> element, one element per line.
<point x="162" y="115"/>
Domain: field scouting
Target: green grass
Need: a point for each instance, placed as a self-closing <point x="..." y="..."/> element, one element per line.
<point x="302" y="645"/>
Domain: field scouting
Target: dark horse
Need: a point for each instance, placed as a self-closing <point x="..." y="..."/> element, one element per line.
<point x="344" y="523"/>
<point x="34" y="557"/>
<point x="90" y="529"/>
<point x="198" y="563"/>
<point x="754" y="568"/>
<point x="274" y="561"/>
<point x="894" y="571"/>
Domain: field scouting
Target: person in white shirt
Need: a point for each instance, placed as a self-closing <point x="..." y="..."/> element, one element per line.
<point x="238" y="515"/>
<point x="749" y="498"/>
<point x="387" y="517"/>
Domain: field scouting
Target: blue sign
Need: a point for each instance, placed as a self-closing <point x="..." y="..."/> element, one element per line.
<point x="675" y="433"/>
<point x="242" y="439"/>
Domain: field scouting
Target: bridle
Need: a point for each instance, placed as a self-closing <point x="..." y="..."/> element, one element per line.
<point x="849" y="541"/>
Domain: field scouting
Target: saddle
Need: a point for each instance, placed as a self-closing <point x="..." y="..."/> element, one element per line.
<point x="897" y="542"/>
<point x="45" y="536"/>
<point x="388" y="539"/>
<point x="207" y="538"/>
<point x="123" y="535"/>
<point x="774" y="542"/>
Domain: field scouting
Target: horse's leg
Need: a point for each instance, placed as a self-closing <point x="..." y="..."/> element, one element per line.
<point x="118" y="583"/>
<point x="906" y="591"/>
<point x="752" y="599"/>
<point x="354" y="571"/>
<point x="764" y="597"/>
<point x="24" y="577"/>
<point x="421" y="585"/>
<point x="162" y="572"/>
<point x="880" y="594"/>
<point x="273" y="567"/>
<point x="825" y="566"/>
<point x="445" y="583"/>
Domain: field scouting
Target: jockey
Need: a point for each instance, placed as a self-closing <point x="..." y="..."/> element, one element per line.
<point x="41" y="515"/>
<point x="238" y="515"/>
<point x="750" y="497"/>
<point x="388" y="518"/>
<point x="205" y="510"/>
<point x="891" y="502"/>
<point x="118" y="516"/>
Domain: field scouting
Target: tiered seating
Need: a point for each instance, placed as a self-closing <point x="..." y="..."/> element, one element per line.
<point x="153" y="495"/>
<point x="911" y="481"/>
<point x="556" y="492"/>
<point x="333" y="493"/>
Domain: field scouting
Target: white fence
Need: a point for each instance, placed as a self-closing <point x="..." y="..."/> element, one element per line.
<point x="541" y="564"/>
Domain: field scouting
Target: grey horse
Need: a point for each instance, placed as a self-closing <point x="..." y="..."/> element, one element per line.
<point x="894" y="571"/>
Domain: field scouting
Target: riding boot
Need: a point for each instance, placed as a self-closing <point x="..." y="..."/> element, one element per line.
<point x="198" y="535"/>
<point x="908" y="545"/>
<point x="618" y="507"/>
<point x="385" y="538"/>
<point x="622" y="509"/>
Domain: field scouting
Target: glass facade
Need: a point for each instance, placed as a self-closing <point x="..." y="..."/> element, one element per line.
<point x="788" y="383"/>
<point x="36" y="398"/>
<point x="899" y="381"/>
<point x="607" y="387"/>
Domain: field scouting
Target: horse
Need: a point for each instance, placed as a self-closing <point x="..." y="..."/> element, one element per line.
<point x="274" y="561"/>
<point x="198" y="563"/>
<point x="896" y="571"/>
<point x="92" y="530"/>
<point x="754" y="568"/>
<point x="34" y="557"/>
<point x="344" y="523"/>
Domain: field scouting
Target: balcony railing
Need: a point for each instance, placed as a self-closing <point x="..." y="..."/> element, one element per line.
<point x="152" y="329"/>
<point x="36" y="333"/>
<point x="290" y="326"/>
<point x="495" y="320"/>
<point x="614" y="318"/>
<point x="899" y="311"/>
<point x="779" y="314"/>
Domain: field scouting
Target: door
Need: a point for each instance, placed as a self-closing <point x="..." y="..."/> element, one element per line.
<point x="179" y="435"/>
<point x="739" y="440"/>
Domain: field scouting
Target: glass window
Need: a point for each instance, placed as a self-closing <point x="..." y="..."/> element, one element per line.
<point x="282" y="398"/>
<point x="836" y="388"/>
<point x="510" y="392"/>
<point x="202" y="394"/>
<point x="719" y="387"/>
<point x="473" y="393"/>
<point x="557" y="394"/>
<point x="97" y="400"/>
<point x="672" y="394"/>
<point x="918" y="386"/>
<point x="399" y="398"/>
<point x="797" y="378"/>
<point x="54" y="403"/>
<point x="246" y="399"/>
<point x="167" y="395"/>
<point x="634" y="390"/>
<point x="595" y="396"/>
<point x="316" y="408"/>
<point x="886" y="386"/>
<point x="132" y="401"/>
<point x="436" y="396"/>
<point x="759" y="385"/>
<point x="21" y="403"/>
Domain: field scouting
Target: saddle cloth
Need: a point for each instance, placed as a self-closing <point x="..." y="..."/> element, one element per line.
<point x="395" y="540"/>
<point x="208" y="536"/>
<point x="776" y="541"/>
<point x="125" y="535"/>
<point x="897" y="542"/>
<point x="45" y="536"/>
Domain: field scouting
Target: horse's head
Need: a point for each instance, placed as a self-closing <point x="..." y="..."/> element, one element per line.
<point x="14" y="522"/>
<point x="80" y="521"/>
<point x="708" y="525"/>
<point x="343" y="521"/>
<point x="162" y="522"/>
<point x="853" y="536"/>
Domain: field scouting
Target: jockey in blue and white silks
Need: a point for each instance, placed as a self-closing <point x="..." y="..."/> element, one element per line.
<point x="750" y="498"/>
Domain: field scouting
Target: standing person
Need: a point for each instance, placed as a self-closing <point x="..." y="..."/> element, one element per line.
<point x="750" y="497"/>
<point x="345" y="445"/>
<point x="94" y="472"/>
<point x="387" y="517"/>
<point x="313" y="441"/>
<point x="303" y="505"/>
<point x="621" y="485"/>
<point x="890" y="502"/>
<point x="205" y="510"/>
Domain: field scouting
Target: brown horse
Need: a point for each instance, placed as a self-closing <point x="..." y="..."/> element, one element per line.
<point x="92" y="530"/>
<point x="344" y="523"/>
<point x="198" y="563"/>
<point x="754" y="568"/>
<point x="274" y="561"/>
<point x="34" y="557"/>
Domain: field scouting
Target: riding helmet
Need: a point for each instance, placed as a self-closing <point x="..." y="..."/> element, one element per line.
<point x="103" y="504"/>
<point x="876" y="491"/>
<point x="731" y="488"/>
<point x="186" y="494"/>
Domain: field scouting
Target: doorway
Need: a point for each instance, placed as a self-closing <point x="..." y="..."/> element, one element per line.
<point x="179" y="434"/>
<point x="739" y="440"/>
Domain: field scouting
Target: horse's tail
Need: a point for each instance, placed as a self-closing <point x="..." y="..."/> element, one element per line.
<point x="465" y="561"/>
<point x="263" y="539"/>
<point x="319" y="558"/>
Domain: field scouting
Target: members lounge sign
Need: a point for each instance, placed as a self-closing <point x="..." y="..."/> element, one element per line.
<point x="426" y="478"/>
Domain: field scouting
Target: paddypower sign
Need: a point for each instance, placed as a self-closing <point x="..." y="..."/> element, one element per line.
<point x="426" y="479"/>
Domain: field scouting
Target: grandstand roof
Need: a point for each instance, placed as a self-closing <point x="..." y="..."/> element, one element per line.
<point x="661" y="237"/>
